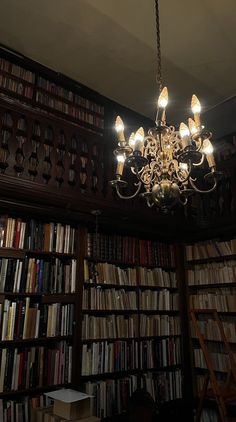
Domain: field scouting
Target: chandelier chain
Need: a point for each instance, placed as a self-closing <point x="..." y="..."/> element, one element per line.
<point x="159" y="75"/>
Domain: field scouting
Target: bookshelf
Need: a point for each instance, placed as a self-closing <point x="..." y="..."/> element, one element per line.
<point x="211" y="279"/>
<point x="38" y="309"/>
<point x="131" y="324"/>
<point x="41" y="92"/>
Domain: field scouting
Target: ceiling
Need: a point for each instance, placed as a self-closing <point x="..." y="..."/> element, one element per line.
<point x="110" y="46"/>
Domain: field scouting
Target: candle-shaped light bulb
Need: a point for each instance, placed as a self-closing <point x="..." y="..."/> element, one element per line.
<point x="119" y="126"/>
<point x="163" y="98"/>
<point x="132" y="140"/>
<point x="196" y="109"/>
<point x="192" y="126"/>
<point x="185" y="135"/>
<point x="207" y="148"/>
<point x="138" y="139"/>
<point x="120" y="164"/>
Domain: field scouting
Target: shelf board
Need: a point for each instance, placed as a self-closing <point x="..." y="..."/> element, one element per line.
<point x="208" y="286"/>
<point x="19" y="342"/>
<point x="119" y="374"/>
<point x="21" y="253"/>
<point x="127" y="264"/>
<point x="33" y="391"/>
<point x="212" y="259"/>
<point x="113" y="339"/>
<point x="44" y="297"/>
<point x="213" y="340"/>
<point x="109" y="312"/>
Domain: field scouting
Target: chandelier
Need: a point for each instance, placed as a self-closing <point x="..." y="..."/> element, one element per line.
<point x="168" y="165"/>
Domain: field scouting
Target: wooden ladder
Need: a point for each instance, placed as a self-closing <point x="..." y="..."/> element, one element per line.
<point x="222" y="393"/>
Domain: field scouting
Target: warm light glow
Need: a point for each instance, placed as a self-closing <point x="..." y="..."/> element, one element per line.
<point x="195" y="104"/>
<point x="207" y="147"/>
<point x="139" y="135"/>
<point x="192" y="126"/>
<point x="183" y="130"/>
<point x="131" y="140"/>
<point x="183" y="166"/>
<point x="119" y="125"/>
<point x="120" y="158"/>
<point x="163" y="98"/>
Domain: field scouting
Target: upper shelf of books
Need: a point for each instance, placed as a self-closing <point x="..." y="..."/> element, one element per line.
<point x="38" y="91"/>
<point x="211" y="250"/>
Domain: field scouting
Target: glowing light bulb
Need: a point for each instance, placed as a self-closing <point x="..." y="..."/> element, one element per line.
<point x="131" y="140"/>
<point x="192" y="126"/>
<point x="119" y="125"/>
<point x="163" y="98"/>
<point x="195" y="105"/>
<point x="138" y="139"/>
<point x="207" y="147"/>
<point x="183" y="130"/>
<point x="120" y="164"/>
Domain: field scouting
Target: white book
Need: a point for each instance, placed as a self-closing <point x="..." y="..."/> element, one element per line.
<point x="5" y="318"/>
<point x="73" y="275"/>
<point x="12" y="232"/>
<point x="58" y="234"/>
<point x="13" y="318"/>
<point x="19" y="276"/>
<point x="22" y="235"/>
<point x="16" y="276"/>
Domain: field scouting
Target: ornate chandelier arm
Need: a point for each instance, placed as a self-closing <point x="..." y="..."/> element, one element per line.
<point x="139" y="184"/>
<point x="200" y="190"/>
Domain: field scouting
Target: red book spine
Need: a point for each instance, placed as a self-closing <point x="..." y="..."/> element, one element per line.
<point x="17" y="234"/>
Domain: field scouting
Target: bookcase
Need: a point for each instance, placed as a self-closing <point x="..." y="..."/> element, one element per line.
<point x="35" y="88"/>
<point x="38" y="309"/>
<point x="131" y="324"/>
<point x="211" y="278"/>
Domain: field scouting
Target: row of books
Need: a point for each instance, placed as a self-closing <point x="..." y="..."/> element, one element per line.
<point x="220" y="361"/>
<point x="210" y="330"/>
<point x="159" y="300"/>
<point x="112" y="396"/>
<point x="68" y="95"/>
<point x="117" y="326"/>
<point x="69" y="109"/>
<point x="35" y="235"/>
<point x="104" y="357"/>
<point x="16" y="70"/>
<point x="106" y="273"/>
<point x="112" y="326"/>
<point x="22" y="320"/>
<point x="35" y="367"/>
<point x="210" y="249"/>
<point x="159" y="325"/>
<point x="32" y="275"/>
<point x="130" y="250"/>
<point x="157" y="353"/>
<point x="221" y="301"/>
<point x="16" y="86"/>
<point x="109" y="299"/>
<point x="156" y="277"/>
<point x="22" y="409"/>
<point x="163" y="386"/>
<point x="212" y="273"/>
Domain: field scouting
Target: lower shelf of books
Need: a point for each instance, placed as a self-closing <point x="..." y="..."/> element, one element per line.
<point x="111" y="396"/>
